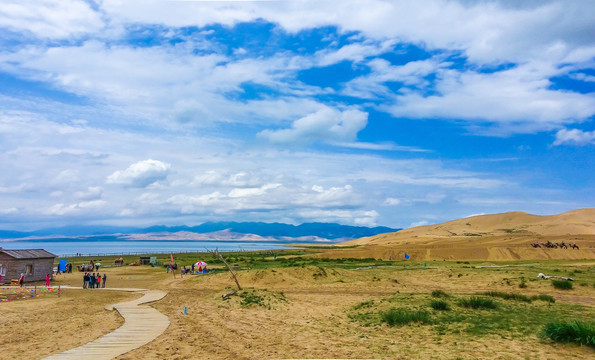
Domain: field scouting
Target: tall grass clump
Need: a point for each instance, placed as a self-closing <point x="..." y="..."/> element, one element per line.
<point x="478" y="303"/>
<point x="544" y="297"/>
<point x="403" y="317"/>
<point x="508" y="296"/>
<point x="439" y="294"/>
<point x="439" y="305"/>
<point x="562" y="284"/>
<point x="571" y="332"/>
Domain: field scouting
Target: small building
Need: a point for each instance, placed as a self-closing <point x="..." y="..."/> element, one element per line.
<point x="35" y="264"/>
<point x="145" y="260"/>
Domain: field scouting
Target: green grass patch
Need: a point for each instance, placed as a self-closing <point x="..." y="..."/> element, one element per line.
<point x="544" y="297"/>
<point x="507" y="296"/>
<point x="439" y="294"/>
<point x="475" y="302"/>
<point x="439" y="305"/>
<point x="400" y="317"/>
<point x="562" y="284"/>
<point x="263" y="298"/>
<point x="571" y="332"/>
<point x="364" y="304"/>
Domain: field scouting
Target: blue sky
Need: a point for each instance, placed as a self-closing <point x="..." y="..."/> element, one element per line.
<point x="376" y="112"/>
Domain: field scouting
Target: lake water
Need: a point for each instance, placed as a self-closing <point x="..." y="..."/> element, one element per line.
<point x="122" y="247"/>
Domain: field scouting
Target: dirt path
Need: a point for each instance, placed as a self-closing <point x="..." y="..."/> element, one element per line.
<point x="142" y="325"/>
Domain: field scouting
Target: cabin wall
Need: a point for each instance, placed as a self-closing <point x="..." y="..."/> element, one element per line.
<point x="14" y="267"/>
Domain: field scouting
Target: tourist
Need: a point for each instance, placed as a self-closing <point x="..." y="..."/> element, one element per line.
<point x="92" y="281"/>
<point x="22" y="279"/>
<point x="48" y="277"/>
<point x="98" y="281"/>
<point x="85" y="280"/>
<point x="103" y="282"/>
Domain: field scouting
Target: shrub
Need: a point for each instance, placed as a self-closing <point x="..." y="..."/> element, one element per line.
<point x="572" y="331"/>
<point x="507" y="296"/>
<point x="523" y="283"/>
<point x="478" y="303"/>
<point x="544" y="297"/>
<point x="403" y="317"/>
<point x="439" y="305"/>
<point x="439" y="294"/>
<point x="562" y="284"/>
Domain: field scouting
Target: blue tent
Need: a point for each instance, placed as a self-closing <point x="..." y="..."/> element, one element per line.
<point x="62" y="265"/>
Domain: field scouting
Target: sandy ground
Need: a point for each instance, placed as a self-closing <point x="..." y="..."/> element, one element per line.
<point x="307" y="320"/>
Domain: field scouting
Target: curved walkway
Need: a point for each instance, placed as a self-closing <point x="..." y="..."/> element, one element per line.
<point x="142" y="324"/>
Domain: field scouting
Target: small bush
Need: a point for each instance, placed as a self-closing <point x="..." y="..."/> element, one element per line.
<point x="572" y="331"/>
<point x="403" y="317"/>
<point x="507" y="296"/>
<point x="562" y="284"/>
<point x="544" y="297"/>
<point x="523" y="283"/>
<point x="478" y="303"/>
<point x="439" y="305"/>
<point x="439" y="294"/>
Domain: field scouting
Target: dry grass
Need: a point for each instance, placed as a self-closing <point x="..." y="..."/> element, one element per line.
<point x="312" y="320"/>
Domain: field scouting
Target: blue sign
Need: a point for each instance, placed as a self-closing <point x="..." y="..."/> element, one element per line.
<point x="62" y="265"/>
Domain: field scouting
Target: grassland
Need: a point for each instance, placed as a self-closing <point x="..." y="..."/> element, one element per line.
<point x="297" y="304"/>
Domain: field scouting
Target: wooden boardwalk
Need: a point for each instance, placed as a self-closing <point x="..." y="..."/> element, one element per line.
<point x="142" y="324"/>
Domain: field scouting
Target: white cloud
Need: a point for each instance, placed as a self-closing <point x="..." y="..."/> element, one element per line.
<point x="141" y="174"/>
<point x="83" y="206"/>
<point x="91" y="193"/>
<point x="419" y="223"/>
<point x="391" y="201"/>
<point x="249" y="192"/>
<point x="52" y="19"/>
<point x="356" y="217"/>
<point x="520" y="95"/>
<point x="574" y="137"/>
<point x="323" y="125"/>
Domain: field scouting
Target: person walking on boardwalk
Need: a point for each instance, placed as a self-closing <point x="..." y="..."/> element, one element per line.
<point x="21" y="279"/>
<point x="103" y="282"/>
<point x="98" y="279"/>
<point x="48" y="277"/>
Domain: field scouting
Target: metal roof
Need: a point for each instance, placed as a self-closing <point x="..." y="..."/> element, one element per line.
<point x="28" y="254"/>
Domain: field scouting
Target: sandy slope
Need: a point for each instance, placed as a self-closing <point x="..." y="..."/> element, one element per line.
<point x="504" y="236"/>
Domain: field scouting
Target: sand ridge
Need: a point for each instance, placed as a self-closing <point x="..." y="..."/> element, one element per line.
<point x="502" y="237"/>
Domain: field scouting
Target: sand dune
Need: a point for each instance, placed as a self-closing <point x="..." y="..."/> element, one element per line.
<point x="505" y="236"/>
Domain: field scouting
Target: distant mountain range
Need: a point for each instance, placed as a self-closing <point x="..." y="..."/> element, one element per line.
<point x="251" y="231"/>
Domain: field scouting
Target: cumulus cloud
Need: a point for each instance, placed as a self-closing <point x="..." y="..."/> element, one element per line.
<point x="574" y="137"/>
<point x="141" y="174"/>
<point x="323" y="125"/>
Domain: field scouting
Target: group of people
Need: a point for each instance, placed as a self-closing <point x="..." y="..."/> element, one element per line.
<point x="553" y="245"/>
<point x="94" y="281"/>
